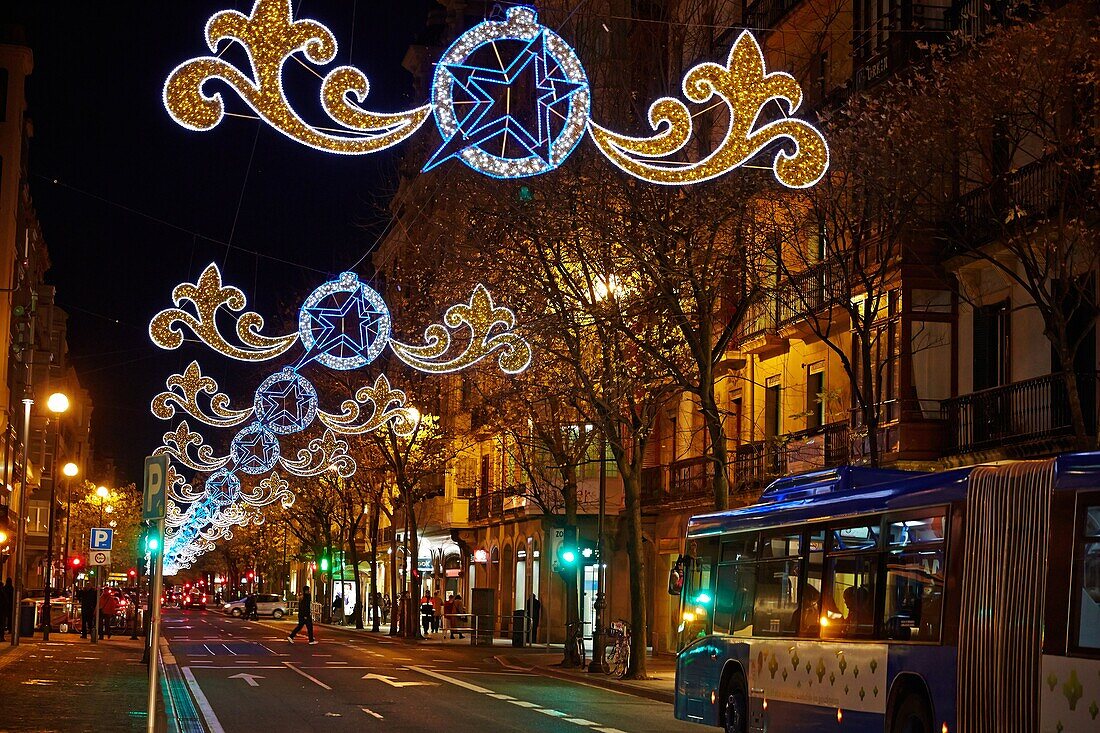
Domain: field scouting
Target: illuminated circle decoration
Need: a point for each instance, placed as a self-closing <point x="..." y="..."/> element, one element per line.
<point x="344" y="324"/>
<point x="511" y="98"/>
<point x="286" y="402"/>
<point x="255" y="449"/>
<point x="223" y="487"/>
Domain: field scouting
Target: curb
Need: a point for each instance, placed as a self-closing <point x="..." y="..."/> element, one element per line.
<point x="599" y="680"/>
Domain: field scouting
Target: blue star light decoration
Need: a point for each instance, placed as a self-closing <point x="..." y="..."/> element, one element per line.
<point x="344" y="324"/>
<point x="522" y="119"/>
<point x="286" y="402"/>
<point x="255" y="450"/>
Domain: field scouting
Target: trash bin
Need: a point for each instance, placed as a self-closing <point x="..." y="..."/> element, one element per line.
<point x="26" y="619"/>
<point x="519" y="627"/>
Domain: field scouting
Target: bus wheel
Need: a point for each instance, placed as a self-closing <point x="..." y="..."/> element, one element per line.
<point x="912" y="715"/>
<point x="736" y="707"/>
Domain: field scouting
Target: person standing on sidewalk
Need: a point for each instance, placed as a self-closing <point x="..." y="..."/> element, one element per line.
<point x="534" y="612"/>
<point x="427" y="613"/>
<point x="108" y="609"/>
<point x="437" y="612"/>
<point x="459" y="614"/>
<point x="305" y="616"/>
<point x="7" y="598"/>
<point x="87" y="611"/>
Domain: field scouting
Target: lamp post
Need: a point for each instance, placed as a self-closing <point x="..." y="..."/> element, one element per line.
<point x="70" y="470"/>
<point x="20" y="531"/>
<point x="598" y="642"/>
<point x="58" y="404"/>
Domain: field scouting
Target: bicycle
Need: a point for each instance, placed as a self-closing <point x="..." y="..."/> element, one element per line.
<point x="618" y="657"/>
<point x="575" y="639"/>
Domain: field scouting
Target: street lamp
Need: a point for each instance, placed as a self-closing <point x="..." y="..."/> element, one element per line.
<point x="70" y="469"/>
<point x="58" y="403"/>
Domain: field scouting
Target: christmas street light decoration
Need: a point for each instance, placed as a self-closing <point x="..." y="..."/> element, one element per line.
<point x="510" y="98"/>
<point x="746" y="89"/>
<point x="342" y="325"/>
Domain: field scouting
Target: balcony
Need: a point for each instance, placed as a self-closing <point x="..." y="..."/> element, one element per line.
<point x="1030" y="191"/>
<point x="1017" y="414"/>
<point x="690" y="478"/>
<point x="766" y="13"/>
<point x="759" y="462"/>
<point x="486" y="505"/>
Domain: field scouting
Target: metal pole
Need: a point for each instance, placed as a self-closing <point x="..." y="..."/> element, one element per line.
<point x="98" y="588"/>
<point x="154" y="633"/>
<point x="597" y="664"/>
<point x="20" y="532"/>
<point x="65" y="555"/>
<point x="47" y="584"/>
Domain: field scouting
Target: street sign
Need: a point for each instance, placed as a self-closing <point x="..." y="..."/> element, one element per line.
<point x="99" y="557"/>
<point x="156" y="474"/>
<point x="559" y="538"/>
<point x="101" y="538"/>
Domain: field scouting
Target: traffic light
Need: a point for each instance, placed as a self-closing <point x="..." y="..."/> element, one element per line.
<point x="324" y="564"/>
<point x="152" y="540"/>
<point x="132" y="573"/>
<point x="76" y="562"/>
<point x="587" y="551"/>
<point x="251" y="575"/>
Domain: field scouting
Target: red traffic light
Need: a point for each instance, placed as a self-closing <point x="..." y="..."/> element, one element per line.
<point x="76" y="561"/>
<point x="251" y="576"/>
<point x="133" y="572"/>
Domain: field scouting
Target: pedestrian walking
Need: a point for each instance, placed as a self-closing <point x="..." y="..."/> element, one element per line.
<point x="7" y="599"/>
<point x="251" y="610"/>
<point x="338" y="609"/>
<point x="459" y="612"/>
<point x="437" y="612"/>
<point x="534" y="611"/>
<point x="87" y="611"/>
<point x="427" y="613"/>
<point x="305" y="616"/>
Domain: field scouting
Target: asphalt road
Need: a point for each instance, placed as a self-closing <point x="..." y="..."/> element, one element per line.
<point x="245" y="676"/>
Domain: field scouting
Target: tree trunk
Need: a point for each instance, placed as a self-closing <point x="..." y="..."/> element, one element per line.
<point x="637" y="574"/>
<point x="373" y="605"/>
<point x="353" y="551"/>
<point x="869" y="395"/>
<point x="1073" y="397"/>
<point x="394" y="605"/>
<point x="717" y="431"/>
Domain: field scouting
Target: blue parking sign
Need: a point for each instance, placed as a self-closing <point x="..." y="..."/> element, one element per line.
<point x="101" y="538"/>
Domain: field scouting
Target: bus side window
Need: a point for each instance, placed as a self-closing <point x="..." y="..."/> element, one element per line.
<point x="1088" y="612"/>
<point x="914" y="579"/>
<point x="811" y="593"/>
<point x="775" y="610"/>
<point x="698" y="602"/>
<point x="734" y="590"/>
<point x="849" y="609"/>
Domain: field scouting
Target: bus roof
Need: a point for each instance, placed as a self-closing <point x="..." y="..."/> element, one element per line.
<point x="853" y="490"/>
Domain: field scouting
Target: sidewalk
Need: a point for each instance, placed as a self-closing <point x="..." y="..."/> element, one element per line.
<point x="540" y="658"/>
<point x="69" y="684"/>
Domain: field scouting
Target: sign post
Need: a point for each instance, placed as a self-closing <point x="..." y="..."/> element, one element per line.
<point x="100" y="541"/>
<point x="152" y="510"/>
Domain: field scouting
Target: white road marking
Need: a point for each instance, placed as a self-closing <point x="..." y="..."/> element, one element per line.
<point x="395" y="683"/>
<point x="501" y="696"/>
<point x="553" y="713"/>
<point x="523" y="703"/>
<point x="609" y="730"/>
<point x="249" y="678"/>
<point x="451" y="680"/>
<point x="201" y="702"/>
<point x="368" y="711"/>
<point x="579" y="721"/>
<point x="309" y="677"/>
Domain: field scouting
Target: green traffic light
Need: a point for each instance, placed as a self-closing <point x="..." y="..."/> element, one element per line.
<point x="569" y="556"/>
<point x="154" y="544"/>
<point x="324" y="564"/>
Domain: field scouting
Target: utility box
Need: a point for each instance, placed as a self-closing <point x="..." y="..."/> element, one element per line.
<point x="482" y="618"/>
<point x="519" y="627"/>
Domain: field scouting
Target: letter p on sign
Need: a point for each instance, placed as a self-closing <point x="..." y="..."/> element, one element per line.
<point x="156" y="477"/>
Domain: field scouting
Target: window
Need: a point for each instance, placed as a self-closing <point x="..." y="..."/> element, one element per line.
<point x="811" y="589"/>
<point x="849" y="608"/>
<point x="1088" y="610"/>
<point x="772" y="407"/>
<point x="776" y="607"/>
<point x="916" y="531"/>
<point x="990" y="368"/>
<point x="914" y="595"/>
<point x="698" y="596"/>
<point x="862" y="536"/>
<point x="815" y="399"/>
<point x="734" y="594"/>
<point x="739" y="548"/>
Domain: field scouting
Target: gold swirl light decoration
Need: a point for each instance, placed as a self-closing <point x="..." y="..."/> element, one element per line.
<point x="491" y="329"/>
<point x="270" y="36"/>
<point x="384" y="403"/>
<point x="183" y="391"/>
<point x="746" y="87"/>
<point x="208" y="294"/>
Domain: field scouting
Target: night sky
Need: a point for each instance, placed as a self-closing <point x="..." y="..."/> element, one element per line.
<point x="130" y="203"/>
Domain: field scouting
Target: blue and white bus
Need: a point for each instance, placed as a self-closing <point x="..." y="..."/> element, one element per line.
<point x="857" y="599"/>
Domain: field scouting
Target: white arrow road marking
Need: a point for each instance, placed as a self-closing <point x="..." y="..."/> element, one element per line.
<point x="395" y="683"/>
<point x="249" y="678"/>
<point x="368" y="711"/>
<point x="309" y="677"/>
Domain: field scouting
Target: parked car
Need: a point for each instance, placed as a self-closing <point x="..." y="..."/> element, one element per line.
<point x="267" y="604"/>
<point x="194" y="600"/>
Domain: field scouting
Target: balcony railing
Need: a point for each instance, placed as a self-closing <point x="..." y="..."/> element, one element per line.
<point x="766" y="13"/>
<point x="1030" y="191"/>
<point x="1019" y="413"/>
<point x="690" y="478"/>
<point x="809" y="291"/>
<point x="759" y="461"/>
